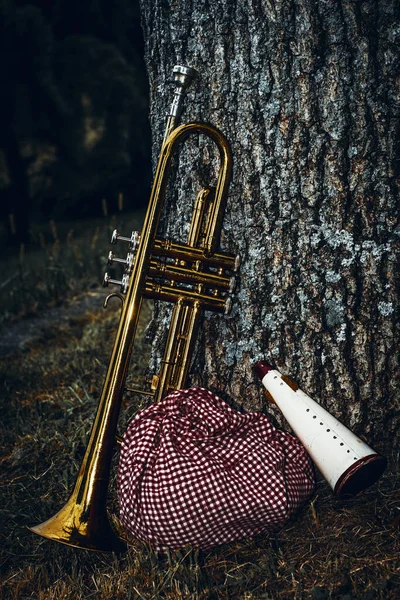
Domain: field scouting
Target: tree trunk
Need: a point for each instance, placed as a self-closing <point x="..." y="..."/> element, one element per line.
<point x="307" y="94"/>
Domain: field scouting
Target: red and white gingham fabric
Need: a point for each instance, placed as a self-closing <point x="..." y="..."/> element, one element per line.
<point x="194" y="471"/>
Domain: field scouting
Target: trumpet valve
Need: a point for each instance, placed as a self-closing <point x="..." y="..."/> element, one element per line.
<point x="123" y="283"/>
<point x="128" y="261"/>
<point x="133" y="240"/>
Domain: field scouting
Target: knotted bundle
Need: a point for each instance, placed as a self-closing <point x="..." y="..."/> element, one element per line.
<point x="194" y="471"/>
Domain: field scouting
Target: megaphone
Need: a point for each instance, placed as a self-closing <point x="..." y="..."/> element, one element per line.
<point x="348" y="464"/>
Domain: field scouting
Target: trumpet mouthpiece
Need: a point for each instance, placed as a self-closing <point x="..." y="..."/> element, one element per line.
<point x="183" y="76"/>
<point x="262" y="368"/>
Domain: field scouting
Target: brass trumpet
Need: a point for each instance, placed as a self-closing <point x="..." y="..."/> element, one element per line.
<point x="194" y="276"/>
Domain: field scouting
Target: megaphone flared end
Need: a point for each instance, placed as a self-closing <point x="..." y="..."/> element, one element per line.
<point x="360" y="475"/>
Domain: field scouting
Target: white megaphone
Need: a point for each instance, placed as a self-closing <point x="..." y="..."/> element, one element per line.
<point x="347" y="463"/>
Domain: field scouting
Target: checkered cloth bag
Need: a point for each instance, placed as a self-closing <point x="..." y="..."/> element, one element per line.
<point x="194" y="471"/>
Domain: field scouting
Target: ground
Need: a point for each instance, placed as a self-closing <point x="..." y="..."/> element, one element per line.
<point x="55" y="340"/>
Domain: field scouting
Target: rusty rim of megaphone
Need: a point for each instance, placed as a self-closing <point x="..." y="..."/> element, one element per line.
<point x="360" y="475"/>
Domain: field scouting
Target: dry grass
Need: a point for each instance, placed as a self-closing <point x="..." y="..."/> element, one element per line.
<point x="333" y="549"/>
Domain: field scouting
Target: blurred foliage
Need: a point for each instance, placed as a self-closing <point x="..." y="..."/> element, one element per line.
<point x="64" y="259"/>
<point x="73" y="125"/>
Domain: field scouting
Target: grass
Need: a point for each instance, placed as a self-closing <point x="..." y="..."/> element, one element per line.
<point x="62" y="260"/>
<point x="333" y="549"/>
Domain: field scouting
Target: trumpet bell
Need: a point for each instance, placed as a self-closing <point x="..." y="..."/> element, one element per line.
<point x="81" y="527"/>
<point x="347" y="462"/>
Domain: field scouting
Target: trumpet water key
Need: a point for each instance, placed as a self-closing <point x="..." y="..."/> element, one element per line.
<point x="347" y="462"/>
<point x="195" y="276"/>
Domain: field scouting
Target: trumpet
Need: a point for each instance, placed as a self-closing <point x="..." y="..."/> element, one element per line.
<point x="193" y="275"/>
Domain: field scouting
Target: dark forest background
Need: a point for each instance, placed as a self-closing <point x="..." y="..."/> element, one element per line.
<point x="74" y="130"/>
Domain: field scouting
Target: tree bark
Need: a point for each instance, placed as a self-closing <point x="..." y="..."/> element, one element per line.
<point x="307" y="93"/>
